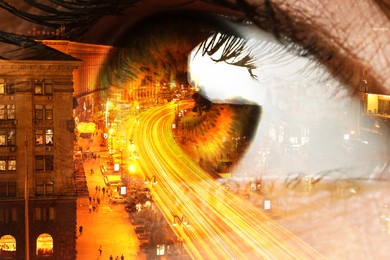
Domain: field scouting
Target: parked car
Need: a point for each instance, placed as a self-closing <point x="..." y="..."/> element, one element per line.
<point x="117" y="199"/>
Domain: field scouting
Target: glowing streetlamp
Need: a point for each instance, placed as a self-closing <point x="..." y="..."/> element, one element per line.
<point x="151" y="180"/>
<point x="132" y="168"/>
<point x="108" y="104"/>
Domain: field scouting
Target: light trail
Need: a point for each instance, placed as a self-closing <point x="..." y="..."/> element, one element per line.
<point x="223" y="226"/>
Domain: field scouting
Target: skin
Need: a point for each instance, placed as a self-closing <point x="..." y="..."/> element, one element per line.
<point x="353" y="34"/>
<point x="358" y="30"/>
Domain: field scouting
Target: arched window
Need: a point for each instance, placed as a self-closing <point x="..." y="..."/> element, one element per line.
<point x="44" y="245"/>
<point x="7" y="246"/>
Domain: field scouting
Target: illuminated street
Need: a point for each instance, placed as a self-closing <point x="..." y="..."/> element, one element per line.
<point x="217" y="219"/>
<point x="108" y="226"/>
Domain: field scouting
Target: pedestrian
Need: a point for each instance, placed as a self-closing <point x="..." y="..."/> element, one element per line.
<point x="122" y="257"/>
<point x="90" y="208"/>
<point x="81" y="230"/>
<point x="103" y="190"/>
<point x="111" y="258"/>
<point x="100" y="250"/>
<point x="117" y="258"/>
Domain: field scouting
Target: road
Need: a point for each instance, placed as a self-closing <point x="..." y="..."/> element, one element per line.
<point x="222" y="225"/>
<point x="109" y="226"/>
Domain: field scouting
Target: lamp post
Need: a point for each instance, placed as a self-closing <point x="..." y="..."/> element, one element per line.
<point x="26" y="206"/>
<point x="151" y="180"/>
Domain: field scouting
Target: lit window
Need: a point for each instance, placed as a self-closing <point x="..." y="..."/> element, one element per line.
<point x="44" y="245"/>
<point x="3" y="163"/>
<point x="10" y="112"/>
<point x="7" y="137"/>
<point x="3" y="112"/>
<point x="2" y="88"/>
<point x="43" y="87"/>
<point x="8" y="246"/>
<point x="38" y="87"/>
<point x="43" y="112"/>
<point x="38" y="112"/>
<point x="49" y="112"/>
<point x="3" y="138"/>
<point x="7" y="164"/>
<point x="7" y="87"/>
<point x="49" y="137"/>
<point x="11" y="163"/>
<point x="7" y="112"/>
<point x="44" y="137"/>
<point x="39" y="137"/>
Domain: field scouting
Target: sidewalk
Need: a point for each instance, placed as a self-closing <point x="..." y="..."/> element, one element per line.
<point x="108" y="226"/>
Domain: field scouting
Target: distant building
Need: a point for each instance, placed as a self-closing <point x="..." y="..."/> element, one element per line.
<point x="36" y="153"/>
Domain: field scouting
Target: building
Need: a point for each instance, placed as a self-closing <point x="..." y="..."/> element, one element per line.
<point x="90" y="88"/>
<point x="37" y="188"/>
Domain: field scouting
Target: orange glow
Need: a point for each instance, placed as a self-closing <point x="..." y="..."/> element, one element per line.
<point x="223" y="226"/>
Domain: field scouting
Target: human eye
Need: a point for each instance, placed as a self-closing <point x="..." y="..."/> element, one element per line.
<point x="306" y="145"/>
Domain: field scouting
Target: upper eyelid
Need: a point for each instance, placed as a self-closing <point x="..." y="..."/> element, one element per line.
<point x="342" y="64"/>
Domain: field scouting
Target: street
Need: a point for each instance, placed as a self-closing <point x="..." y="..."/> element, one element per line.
<point x="109" y="226"/>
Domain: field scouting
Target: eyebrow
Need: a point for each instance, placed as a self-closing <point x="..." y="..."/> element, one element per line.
<point x="321" y="29"/>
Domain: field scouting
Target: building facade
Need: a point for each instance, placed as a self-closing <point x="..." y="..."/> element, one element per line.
<point x="37" y="186"/>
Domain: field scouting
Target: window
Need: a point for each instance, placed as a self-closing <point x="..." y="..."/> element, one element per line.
<point x="7" y="87"/>
<point x="48" y="112"/>
<point x="7" y="112"/>
<point x="44" y="162"/>
<point x="49" y="188"/>
<point x="44" y="245"/>
<point x="39" y="112"/>
<point x="38" y="214"/>
<point x="8" y="247"/>
<point x="7" y="189"/>
<point x="7" y="137"/>
<point x="44" y="213"/>
<point x="44" y="136"/>
<point x="38" y="87"/>
<point x="43" y="112"/>
<point x="7" y="164"/>
<point x="43" y="87"/>
<point x="52" y="214"/>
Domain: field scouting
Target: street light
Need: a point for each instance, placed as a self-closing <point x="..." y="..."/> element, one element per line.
<point x="183" y="220"/>
<point x="151" y="180"/>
